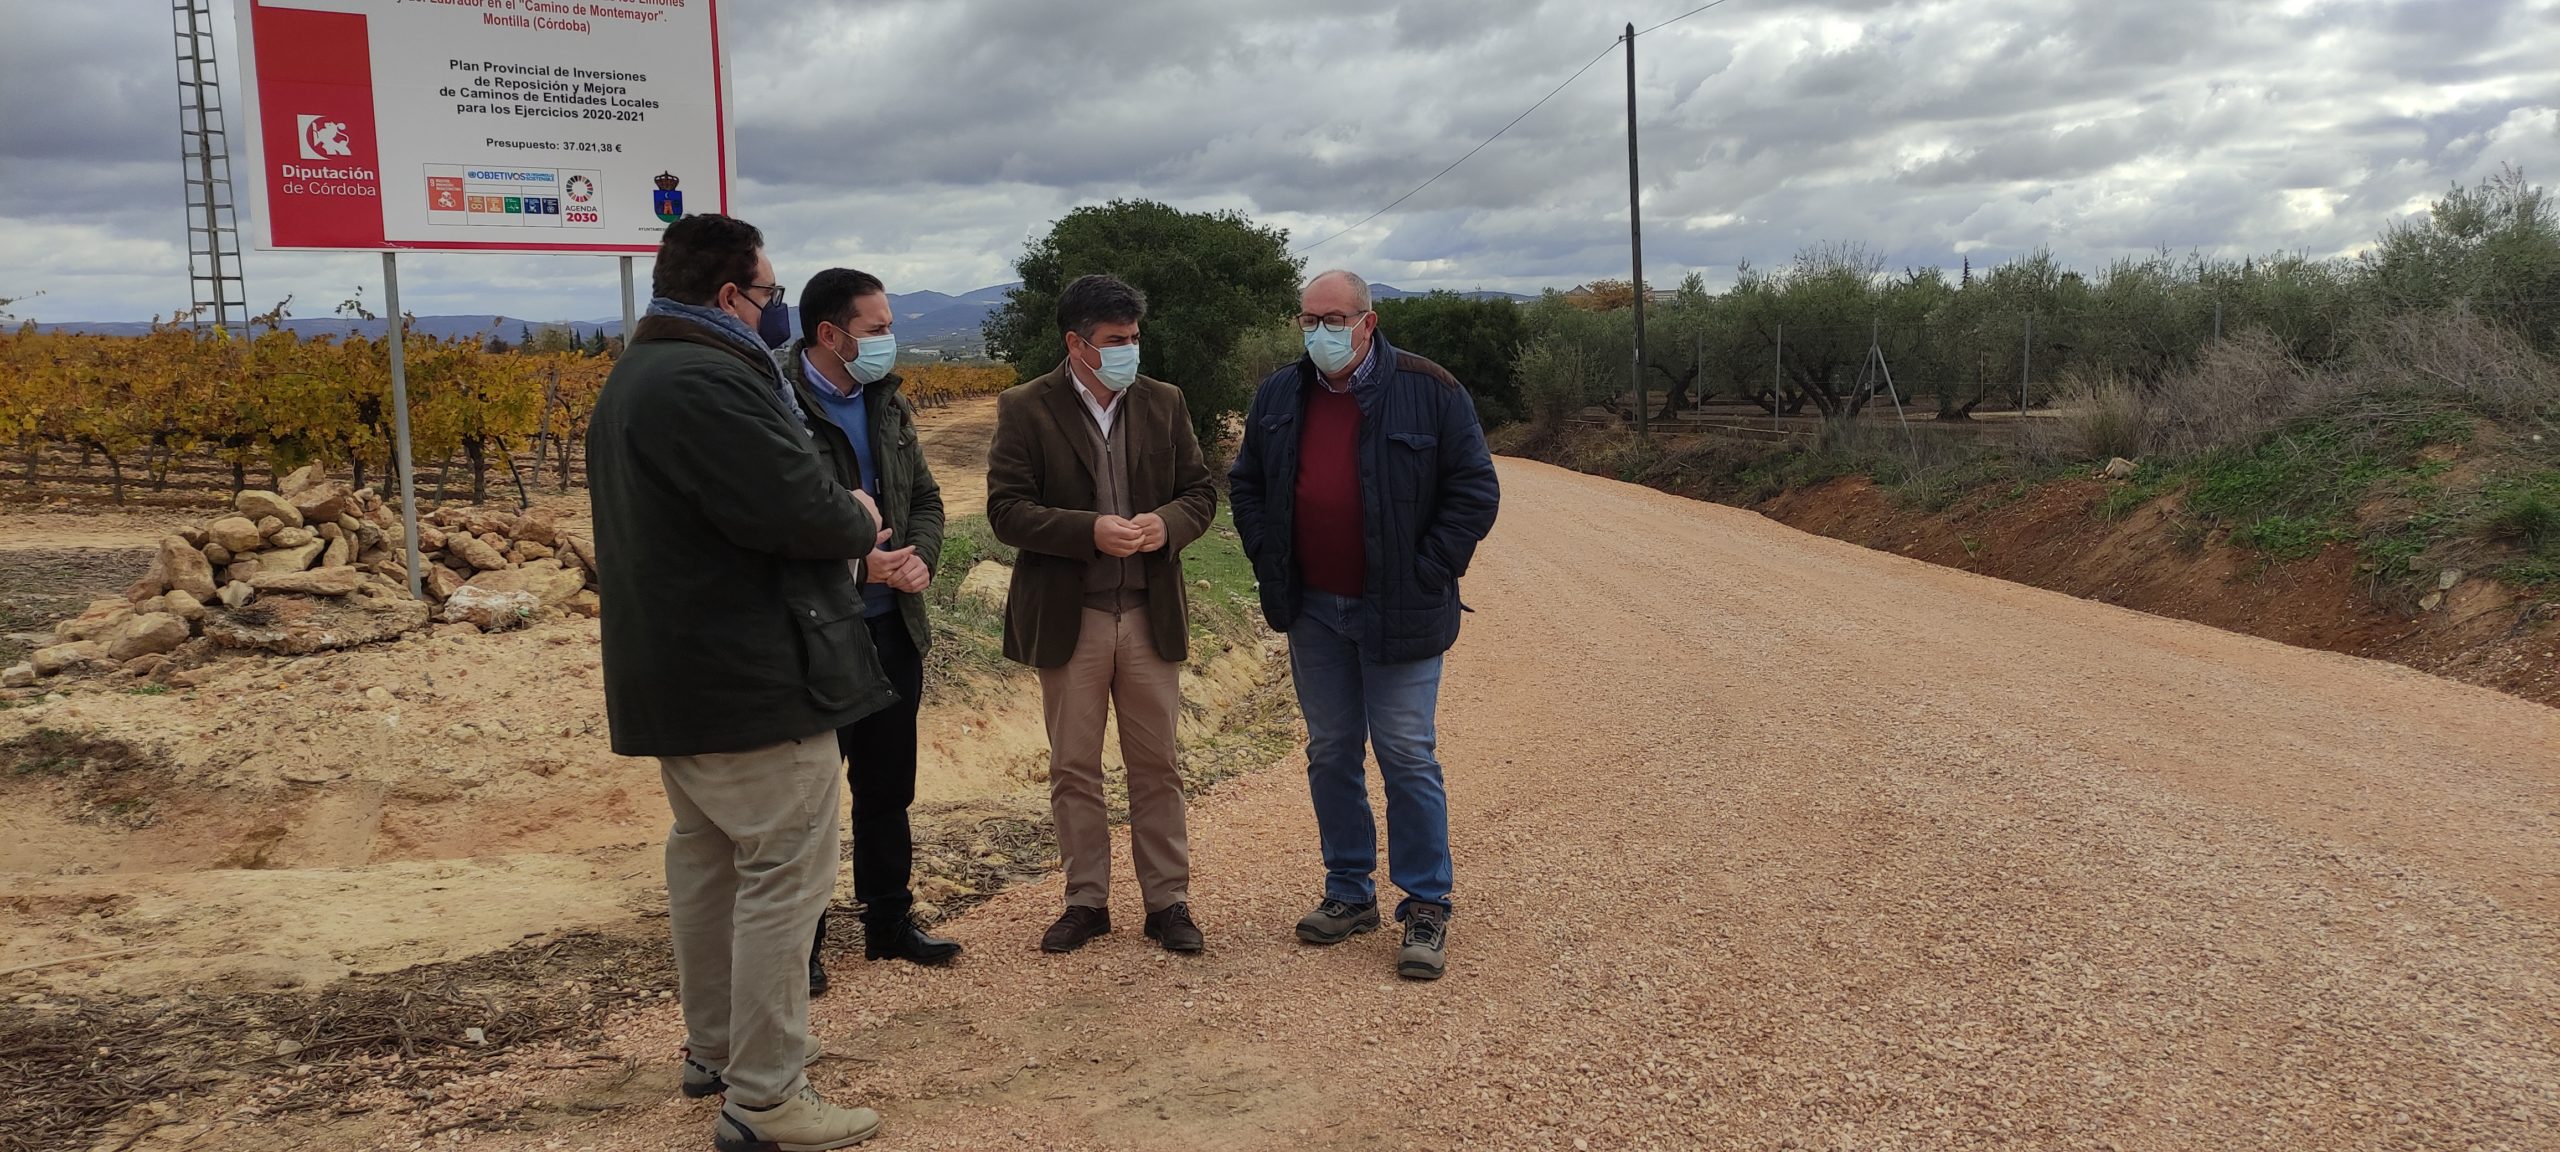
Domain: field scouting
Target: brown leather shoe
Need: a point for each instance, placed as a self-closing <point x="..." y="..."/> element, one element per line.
<point x="1173" y="928"/>
<point x="1073" y="929"/>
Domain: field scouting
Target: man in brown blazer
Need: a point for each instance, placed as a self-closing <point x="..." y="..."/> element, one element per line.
<point x="1096" y="479"/>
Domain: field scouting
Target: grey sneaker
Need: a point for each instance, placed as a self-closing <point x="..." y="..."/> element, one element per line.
<point x="803" y="1123"/>
<point x="1335" y="921"/>
<point x="702" y="1080"/>
<point x="1426" y="943"/>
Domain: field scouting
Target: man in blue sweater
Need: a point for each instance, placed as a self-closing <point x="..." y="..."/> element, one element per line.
<point x="844" y="369"/>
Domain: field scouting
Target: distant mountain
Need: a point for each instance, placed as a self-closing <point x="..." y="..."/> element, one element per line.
<point x="950" y="324"/>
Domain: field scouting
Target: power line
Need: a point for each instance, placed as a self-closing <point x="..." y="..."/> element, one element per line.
<point x="1453" y="165"/>
<point x="1680" y="17"/>
<point x="1551" y="94"/>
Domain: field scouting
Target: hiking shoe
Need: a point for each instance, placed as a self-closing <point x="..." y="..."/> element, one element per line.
<point x="1335" y="921"/>
<point x="803" y="1123"/>
<point x="1426" y="943"/>
<point x="817" y="977"/>
<point x="1073" y="929"/>
<point x="1172" y="927"/>
<point x="702" y="1080"/>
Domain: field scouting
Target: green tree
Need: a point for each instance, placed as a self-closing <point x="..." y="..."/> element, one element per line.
<point x="1209" y="277"/>
<point x="1474" y="339"/>
<point x="2494" y="249"/>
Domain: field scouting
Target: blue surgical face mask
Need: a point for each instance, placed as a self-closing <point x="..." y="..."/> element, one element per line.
<point x="1119" y="366"/>
<point x="873" y="357"/>
<point x="1330" y="350"/>
<point x="774" y="325"/>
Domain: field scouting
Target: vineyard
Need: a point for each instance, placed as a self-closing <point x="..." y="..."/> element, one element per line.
<point x="172" y="414"/>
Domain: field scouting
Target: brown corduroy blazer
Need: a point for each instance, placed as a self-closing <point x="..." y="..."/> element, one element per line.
<point x="1040" y="500"/>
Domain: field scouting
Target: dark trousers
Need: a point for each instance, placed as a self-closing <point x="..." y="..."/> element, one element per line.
<point x="880" y="765"/>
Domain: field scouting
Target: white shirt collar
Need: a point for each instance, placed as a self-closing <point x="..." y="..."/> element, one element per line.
<point x="1103" y="414"/>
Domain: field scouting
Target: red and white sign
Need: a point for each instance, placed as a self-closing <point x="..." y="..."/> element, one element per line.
<point x="483" y="125"/>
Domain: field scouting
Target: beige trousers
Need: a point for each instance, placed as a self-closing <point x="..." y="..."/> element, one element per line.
<point x="1116" y="666"/>
<point x="751" y="863"/>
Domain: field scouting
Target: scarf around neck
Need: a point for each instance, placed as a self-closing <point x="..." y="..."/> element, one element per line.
<point x="738" y="334"/>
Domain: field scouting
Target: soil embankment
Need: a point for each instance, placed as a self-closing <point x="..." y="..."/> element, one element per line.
<point x="2155" y="559"/>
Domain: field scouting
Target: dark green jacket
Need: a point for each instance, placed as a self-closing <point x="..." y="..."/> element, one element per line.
<point x="909" y="499"/>
<point x="730" y="620"/>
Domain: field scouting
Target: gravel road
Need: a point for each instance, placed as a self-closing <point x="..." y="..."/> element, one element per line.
<point x="1765" y="841"/>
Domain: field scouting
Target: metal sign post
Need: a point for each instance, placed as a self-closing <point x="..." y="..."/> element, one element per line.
<point x="630" y="315"/>
<point x="400" y="419"/>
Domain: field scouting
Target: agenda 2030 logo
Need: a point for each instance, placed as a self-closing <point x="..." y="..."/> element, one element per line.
<point x="582" y="209"/>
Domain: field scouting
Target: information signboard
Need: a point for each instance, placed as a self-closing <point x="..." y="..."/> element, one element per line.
<point x="483" y="125"/>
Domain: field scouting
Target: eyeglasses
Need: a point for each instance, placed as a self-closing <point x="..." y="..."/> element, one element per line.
<point x="769" y="301"/>
<point x="1330" y="321"/>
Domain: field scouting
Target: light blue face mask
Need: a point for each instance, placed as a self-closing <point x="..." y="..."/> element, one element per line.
<point x="1119" y="366"/>
<point x="873" y="357"/>
<point x="1330" y="350"/>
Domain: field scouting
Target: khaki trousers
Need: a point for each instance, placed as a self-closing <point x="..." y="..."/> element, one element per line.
<point x="751" y="864"/>
<point x="1116" y="666"/>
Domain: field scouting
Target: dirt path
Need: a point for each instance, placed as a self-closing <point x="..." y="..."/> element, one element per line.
<point x="955" y="447"/>
<point x="1769" y="841"/>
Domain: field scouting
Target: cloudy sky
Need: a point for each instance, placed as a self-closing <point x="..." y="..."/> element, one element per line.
<point x="927" y="139"/>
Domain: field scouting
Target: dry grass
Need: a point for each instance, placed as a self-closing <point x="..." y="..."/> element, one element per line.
<point x="2247" y="388"/>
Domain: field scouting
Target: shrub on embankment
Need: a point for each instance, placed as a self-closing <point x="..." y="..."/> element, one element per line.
<point x="2434" y="446"/>
<point x="2431" y="447"/>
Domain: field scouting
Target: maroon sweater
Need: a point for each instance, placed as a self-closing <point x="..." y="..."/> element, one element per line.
<point x="1331" y="552"/>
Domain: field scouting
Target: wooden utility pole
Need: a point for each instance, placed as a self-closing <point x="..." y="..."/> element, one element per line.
<point x="1635" y="228"/>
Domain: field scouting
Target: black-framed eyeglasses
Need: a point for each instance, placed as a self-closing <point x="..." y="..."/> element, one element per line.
<point x="1330" y="321"/>
<point x="768" y="301"/>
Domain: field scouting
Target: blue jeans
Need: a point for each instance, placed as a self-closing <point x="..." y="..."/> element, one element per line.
<point x="1350" y="700"/>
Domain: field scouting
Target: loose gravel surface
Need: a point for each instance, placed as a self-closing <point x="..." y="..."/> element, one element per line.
<point x="1765" y="841"/>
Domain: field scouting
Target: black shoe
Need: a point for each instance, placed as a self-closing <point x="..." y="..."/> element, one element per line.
<point x="817" y="978"/>
<point x="904" y="941"/>
<point x="1335" y="921"/>
<point x="1425" y="954"/>
<point x="1073" y="929"/>
<point x="1172" y="927"/>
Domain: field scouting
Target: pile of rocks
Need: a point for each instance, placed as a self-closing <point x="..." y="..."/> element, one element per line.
<point x="316" y="565"/>
<point x="497" y="551"/>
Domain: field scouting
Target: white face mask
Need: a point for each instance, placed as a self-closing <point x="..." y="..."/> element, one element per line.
<point x="1119" y="366"/>
<point x="873" y="357"/>
<point x="1330" y="350"/>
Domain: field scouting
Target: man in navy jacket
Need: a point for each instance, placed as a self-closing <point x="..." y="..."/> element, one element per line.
<point x="1361" y="490"/>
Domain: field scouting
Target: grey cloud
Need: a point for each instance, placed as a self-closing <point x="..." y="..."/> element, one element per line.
<point x="927" y="139"/>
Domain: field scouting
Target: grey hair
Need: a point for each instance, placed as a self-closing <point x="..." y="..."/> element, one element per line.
<point x="1359" y="287"/>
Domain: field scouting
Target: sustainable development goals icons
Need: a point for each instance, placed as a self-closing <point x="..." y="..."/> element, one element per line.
<point x="459" y="194"/>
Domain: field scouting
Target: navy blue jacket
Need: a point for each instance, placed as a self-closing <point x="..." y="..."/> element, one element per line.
<point x="1427" y="495"/>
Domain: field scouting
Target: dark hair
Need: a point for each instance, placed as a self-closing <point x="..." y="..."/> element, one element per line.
<point x="829" y="297"/>
<point x="1096" y="300"/>
<point x="701" y="253"/>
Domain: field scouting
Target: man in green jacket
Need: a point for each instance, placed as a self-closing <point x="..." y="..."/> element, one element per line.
<point x="842" y="369"/>
<point x="733" y="650"/>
